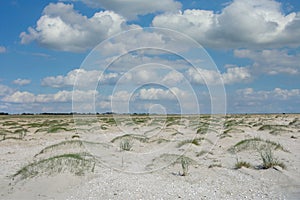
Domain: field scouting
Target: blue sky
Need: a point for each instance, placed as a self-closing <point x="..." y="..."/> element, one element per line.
<point x="47" y="63"/>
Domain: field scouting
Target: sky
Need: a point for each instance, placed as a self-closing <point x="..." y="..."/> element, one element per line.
<point x="167" y="56"/>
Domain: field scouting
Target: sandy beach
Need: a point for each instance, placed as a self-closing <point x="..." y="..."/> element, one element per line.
<point x="150" y="157"/>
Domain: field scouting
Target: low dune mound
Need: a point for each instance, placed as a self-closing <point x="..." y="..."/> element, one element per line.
<point x="77" y="164"/>
<point x="140" y="138"/>
<point x="68" y="147"/>
<point x="275" y="129"/>
<point x="255" y="144"/>
<point x="166" y="160"/>
<point x="295" y="123"/>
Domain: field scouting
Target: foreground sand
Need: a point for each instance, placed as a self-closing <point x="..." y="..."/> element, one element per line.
<point x="58" y="157"/>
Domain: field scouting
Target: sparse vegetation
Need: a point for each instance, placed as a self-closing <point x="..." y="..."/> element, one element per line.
<point x="233" y="130"/>
<point x="172" y="135"/>
<point x="140" y="120"/>
<point x="126" y="144"/>
<point x="224" y="135"/>
<point x="295" y="122"/>
<point x="160" y="140"/>
<point x="10" y="123"/>
<point x="103" y="127"/>
<point x="274" y="129"/>
<point x="255" y="144"/>
<point x="269" y="160"/>
<point x="109" y="121"/>
<point x="203" y="152"/>
<point x="174" y="159"/>
<point x="230" y="123"/>
<point x="53" y="129"/>
<point x="185" y="166"/>
<point x="240" y="164"/>
<point x="77" y="164"/>
<point x="140" y="138"/>
<point x="70" y="145"/>
<point x="215" y="165"/>
<point x="195" y="141"/>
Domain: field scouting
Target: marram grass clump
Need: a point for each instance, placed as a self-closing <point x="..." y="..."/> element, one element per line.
<point x="77" y="164"/>
<point x="256" y="144"/>
<point x="240" y="164"/>
<point x="269" y="160"/>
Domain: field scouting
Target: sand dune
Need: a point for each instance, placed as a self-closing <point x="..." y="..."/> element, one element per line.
<point x="150" y="157"/>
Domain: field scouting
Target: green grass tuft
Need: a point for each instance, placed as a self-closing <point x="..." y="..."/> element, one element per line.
<point x="195" y="141"/>
<point x="255" y="144"/>
<point x="185" y="166"/>
<point x="126" y="144"/>
<point x="140" y="138"/>
<point x="77" y="164"/>
<point x="241" y="164"/>
<point x="269" y="160"/>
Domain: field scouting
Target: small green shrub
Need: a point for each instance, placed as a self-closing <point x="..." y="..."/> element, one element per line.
<point x="126" y="144"/>
<point x="255" y="144"/>
<point x="269" y="160"/>
<point x="214" y="165"/>
<point x="185" y="166"/>
<point x="240" y="164"/>
<point x="195" y="141"/>
<point x="203" y="152"/>
<point x="140" y="138"/>
<point x="77" y="164"/>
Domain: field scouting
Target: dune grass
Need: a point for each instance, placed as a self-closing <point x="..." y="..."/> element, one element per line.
<point x="140" y="138"/>
<point x="274" y="129"/>
<point x="109" y="121"/>
<point x="77" y="164"/>
<point x="140" y="120"/>
<point x="184" y="165"/>
<point x="160" y="140"/>
<point x="233" y="130"/>
<point x="195" y="141"/>
<point x="17" y="134"/>
<point x="255" y="144"/>
<point x="68" y="144"/>
<point x="126" y="144"/>
<point x="295" y="123"/>
<point x="230" y="123"/>
<point x="54" y="129"/>
<point x="269" y="160"/>
<point x="240" y="164"/>
<point x="203" y="152"/>
<point x="10" y="123"/>
<point x="215" y="165"/>
<point x="174" y="159"/>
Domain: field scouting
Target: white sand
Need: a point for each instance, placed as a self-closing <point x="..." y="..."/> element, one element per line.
<point x="150" y="176"/>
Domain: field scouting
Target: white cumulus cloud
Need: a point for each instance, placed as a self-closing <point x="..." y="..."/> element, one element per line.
<point x="277" y="100"/>
<point x="81" y="77"/>
<point x="22" y="82"/>
<point x="59" y="97"/>
<point x="132" y="8"/>
<point x="162" y="94"/>
<point x="63" y="28"/>
<point x="242" y="23"/>
<point x="20" y="97"/>
<point x="5" y="90"/>
<point x="271" y="62"/>
<point x="211" y="77"/>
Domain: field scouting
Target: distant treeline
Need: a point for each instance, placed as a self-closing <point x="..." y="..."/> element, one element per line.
<point x="3" y="113"/>
<point x="112" y="113"/>
<point x="70" y="113"/>
<point x="74" y="113"/>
